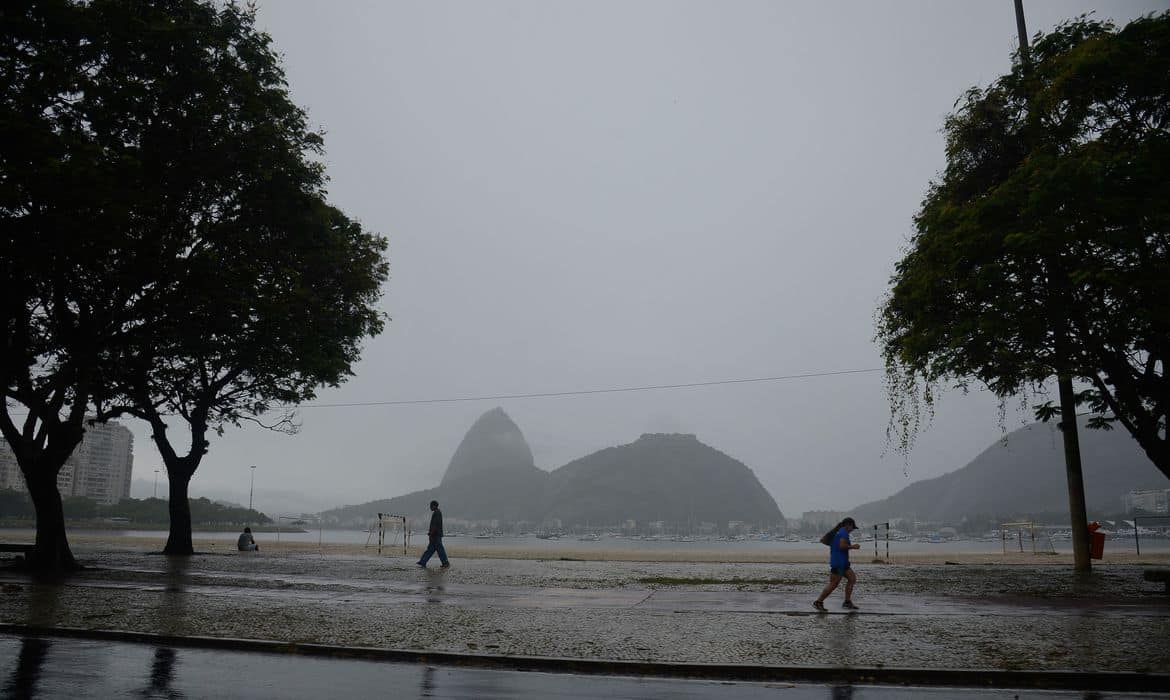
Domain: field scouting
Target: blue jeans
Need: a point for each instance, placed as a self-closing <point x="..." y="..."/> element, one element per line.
<point x="435" y="545"/>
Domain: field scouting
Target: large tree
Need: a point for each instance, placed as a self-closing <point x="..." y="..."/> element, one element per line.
<point x="73" y="278"/>
<point x="259" y="321"/>
<point x="1043" y="250"/>
<point x="169" y="236"/>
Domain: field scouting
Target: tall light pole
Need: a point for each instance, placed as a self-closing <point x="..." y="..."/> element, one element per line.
<point x="1074" y="474"/>
<point x="156" y="483"/>
<point x="251" y="486"/>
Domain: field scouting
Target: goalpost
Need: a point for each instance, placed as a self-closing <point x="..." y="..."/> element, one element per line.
<point x="1039" y="539"/>
<point x="389" y="528"/>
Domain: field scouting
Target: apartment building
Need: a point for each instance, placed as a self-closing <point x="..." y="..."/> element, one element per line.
<point x="1155" y="501"/>
<point x="100" y="468"/>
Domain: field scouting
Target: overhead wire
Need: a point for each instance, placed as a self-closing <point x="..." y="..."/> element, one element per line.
<point x="579" y="392"/>
<point x="582" y="392"/>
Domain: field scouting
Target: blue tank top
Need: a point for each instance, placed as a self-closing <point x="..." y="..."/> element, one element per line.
<point x="839" y="558"/>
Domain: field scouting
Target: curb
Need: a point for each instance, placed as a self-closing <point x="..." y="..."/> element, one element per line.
<point x="1116" y="681"/>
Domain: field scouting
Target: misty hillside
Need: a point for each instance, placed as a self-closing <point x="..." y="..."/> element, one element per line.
<point x="673" y="478"/>
<point x="509" y="496"/>
<point x="1024" y="474"/>
<point x="669" y="477"/>
<point x="493" y="444"/>
<point x="490" y="476"/>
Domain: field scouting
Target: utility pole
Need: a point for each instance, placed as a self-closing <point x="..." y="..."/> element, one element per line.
<point x="156" y="483"/>
<point x="1022" y="30"/>
<point x="251" y="486"/>
<point x="1078" y="519"/>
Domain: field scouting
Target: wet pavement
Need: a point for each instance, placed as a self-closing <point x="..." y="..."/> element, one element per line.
<point x="48" y="667"/>
<point x="1004" y="618"/>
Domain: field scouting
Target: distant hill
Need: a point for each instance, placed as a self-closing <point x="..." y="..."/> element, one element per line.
<point x="669" y="477"/>
<point x="1023" y="474"/>
<point x="492" y="445"/>
<point x="490" y="476"/>
<point x="673" y="478"/>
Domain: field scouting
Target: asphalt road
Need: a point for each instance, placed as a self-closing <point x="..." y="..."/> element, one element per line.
<point x="52" y="667"/>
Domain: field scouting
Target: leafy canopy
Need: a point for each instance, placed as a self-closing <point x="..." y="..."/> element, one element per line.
<point x="1043" y="249"/>
<point x="165" y="241"/>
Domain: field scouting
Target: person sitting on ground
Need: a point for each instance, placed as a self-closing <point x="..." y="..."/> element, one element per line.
<point x="247" y="543"/>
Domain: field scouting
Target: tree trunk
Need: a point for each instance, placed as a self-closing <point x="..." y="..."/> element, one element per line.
<point x="1076" y="483"/>
<point x="51" y="554"/>
<point x="179" y="539"/>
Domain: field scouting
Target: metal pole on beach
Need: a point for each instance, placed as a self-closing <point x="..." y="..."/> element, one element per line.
<point x="251" y="486"/>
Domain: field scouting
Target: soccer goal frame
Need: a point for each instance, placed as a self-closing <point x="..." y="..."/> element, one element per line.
<point x="394" y="522"/>
<point x="1041" y="542"/>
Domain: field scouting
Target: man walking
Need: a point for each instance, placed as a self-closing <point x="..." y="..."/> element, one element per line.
<point x="435" y="538"/>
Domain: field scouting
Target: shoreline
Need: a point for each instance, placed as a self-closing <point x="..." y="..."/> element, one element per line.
<point x="153" y="545"/>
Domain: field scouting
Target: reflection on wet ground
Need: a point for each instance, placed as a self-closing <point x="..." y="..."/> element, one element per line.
<point x="27" y="668"/>
<point x="70" y="668"/>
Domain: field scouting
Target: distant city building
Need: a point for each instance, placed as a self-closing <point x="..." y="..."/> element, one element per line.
<point x="10" y="474"/>
<point x="1147" y="500"/>
<point x="821" y="519"/>
<point x="100" y="468"/>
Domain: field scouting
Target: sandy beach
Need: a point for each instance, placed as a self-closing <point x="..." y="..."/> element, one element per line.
<point x="900" y="555"/>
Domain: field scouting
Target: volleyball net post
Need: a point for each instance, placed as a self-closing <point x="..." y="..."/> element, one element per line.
<point x="876" y="528"/>
<point x="1137" y="528"/>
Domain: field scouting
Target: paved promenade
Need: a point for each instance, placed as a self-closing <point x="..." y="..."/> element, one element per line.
<point x="984" y="618"/>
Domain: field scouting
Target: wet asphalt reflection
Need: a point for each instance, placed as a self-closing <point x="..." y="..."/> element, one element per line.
<point x="71" y="668"/>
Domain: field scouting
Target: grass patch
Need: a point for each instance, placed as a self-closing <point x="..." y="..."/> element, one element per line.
<point x="675" y="581"/>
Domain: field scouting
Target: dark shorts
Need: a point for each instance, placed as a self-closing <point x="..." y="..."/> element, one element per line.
<point x="838" y="570"/>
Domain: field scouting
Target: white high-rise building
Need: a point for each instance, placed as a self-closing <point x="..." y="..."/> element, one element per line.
<point x="100" y="468"/>
<point x="1148" y="500"/>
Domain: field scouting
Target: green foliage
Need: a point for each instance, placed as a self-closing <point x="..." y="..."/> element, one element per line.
<point x="16" y="505"/>
<point x="164" y="228"/>
<point x="148" y="511"/>
<point x="1044" y="248"/>
<point x="203" y="512"/>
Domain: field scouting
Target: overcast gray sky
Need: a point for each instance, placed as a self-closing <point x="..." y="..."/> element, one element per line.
<point x="585" y="195"/>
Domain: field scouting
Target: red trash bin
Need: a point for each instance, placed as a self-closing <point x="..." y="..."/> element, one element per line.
<point x="1096" y="541"/>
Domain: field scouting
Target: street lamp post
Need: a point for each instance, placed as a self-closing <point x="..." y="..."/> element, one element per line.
<point x="251" y="487"/>
<point x="156" y="483"/>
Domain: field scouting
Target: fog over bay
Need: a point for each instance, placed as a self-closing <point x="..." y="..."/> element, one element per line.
<point x="596" y="195"/>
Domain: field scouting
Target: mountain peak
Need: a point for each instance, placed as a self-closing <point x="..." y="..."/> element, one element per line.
<point x="666" y="437"/>
<point x="493" y="443"/>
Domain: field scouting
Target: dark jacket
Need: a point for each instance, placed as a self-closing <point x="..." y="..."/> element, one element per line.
<point x="436" y="528"/>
